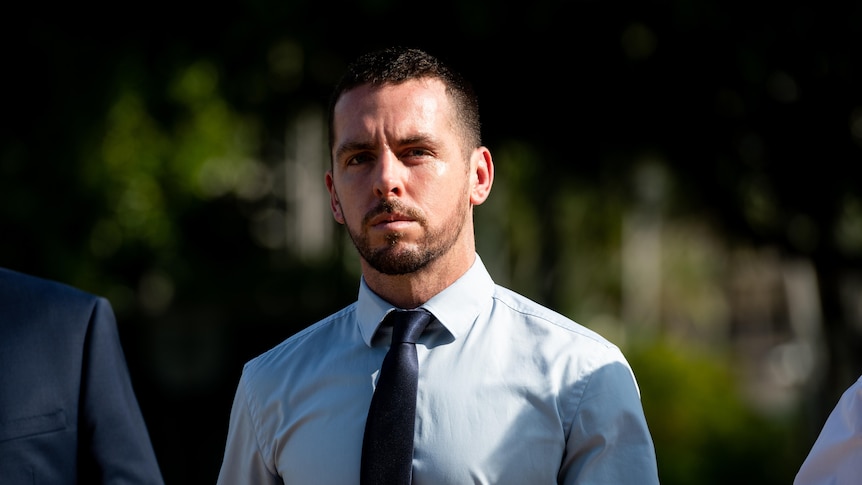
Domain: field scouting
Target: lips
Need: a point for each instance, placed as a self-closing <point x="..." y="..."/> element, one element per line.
<point x="388" y="218"/>
<point x="394" y="223"/>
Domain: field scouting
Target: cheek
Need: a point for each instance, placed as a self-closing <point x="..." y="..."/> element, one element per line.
<point x="447" y="195"/>
<point x="353" y="206"/>
<point x="341" y="201"/>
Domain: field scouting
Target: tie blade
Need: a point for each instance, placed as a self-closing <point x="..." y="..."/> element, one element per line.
<point x="387" y="447"/>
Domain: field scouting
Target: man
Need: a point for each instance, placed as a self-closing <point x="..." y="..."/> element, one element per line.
<point x="68" y="414"/>
<point x="836" y="457"/>
<point x="509" y="392"/>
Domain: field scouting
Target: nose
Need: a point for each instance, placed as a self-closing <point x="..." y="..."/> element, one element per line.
<point x="390" y="176"/>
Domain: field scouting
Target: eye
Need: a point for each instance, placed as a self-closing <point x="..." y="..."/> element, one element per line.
<point x="359" y="159"/>
<point x="417" y="152"/>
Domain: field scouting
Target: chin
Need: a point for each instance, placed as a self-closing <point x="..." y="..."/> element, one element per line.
<point x="399" y="259"/>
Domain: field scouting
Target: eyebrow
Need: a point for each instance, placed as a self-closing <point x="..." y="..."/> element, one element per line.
<point x="419" y="138"/>
<point x="355" y="146"/>
<point x="358" y="146"/>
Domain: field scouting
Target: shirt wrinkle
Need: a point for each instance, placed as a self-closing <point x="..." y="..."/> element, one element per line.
<point x="259" y="442"/>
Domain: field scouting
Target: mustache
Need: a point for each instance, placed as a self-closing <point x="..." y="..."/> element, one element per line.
<point x="393" y="205"/>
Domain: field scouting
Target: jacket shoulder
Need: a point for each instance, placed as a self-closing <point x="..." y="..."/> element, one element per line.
<point x="20" y="288"/>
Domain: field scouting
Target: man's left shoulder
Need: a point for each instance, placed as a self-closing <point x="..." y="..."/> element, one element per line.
<point x="538" y="314"/>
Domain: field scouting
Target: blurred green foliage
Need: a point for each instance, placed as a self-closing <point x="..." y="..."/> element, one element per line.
<point x="703" y="428"/>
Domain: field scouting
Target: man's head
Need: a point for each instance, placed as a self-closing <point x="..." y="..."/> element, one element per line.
<point x="406" y="170"/>
<point x="395" y="65"/>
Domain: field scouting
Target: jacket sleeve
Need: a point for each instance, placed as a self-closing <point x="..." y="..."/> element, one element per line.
<point x="114" y="445"/>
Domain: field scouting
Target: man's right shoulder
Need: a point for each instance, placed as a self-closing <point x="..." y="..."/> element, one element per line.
<point x="303" y="344"/>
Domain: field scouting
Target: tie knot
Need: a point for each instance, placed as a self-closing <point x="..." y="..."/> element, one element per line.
<point x="408" y="325"/>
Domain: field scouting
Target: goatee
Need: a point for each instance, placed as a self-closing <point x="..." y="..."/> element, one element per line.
<point x="397" y="258"/>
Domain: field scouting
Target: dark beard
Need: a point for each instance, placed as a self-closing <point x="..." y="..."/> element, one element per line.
<point x="395" y="260"/>
<point x="391" y="261"/>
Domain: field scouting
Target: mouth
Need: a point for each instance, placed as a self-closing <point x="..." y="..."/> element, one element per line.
<point x="391" y="215"/>
<point x="392" y="221"/>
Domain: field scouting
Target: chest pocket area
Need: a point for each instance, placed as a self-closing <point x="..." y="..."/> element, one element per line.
<point x="32" y="425"/>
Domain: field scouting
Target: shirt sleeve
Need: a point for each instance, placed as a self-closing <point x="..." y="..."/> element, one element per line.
<point x="836" y="457"/>
<point x="243" y="460"/>
<point x="112" y="430"/>
<point x="609" y="441"/>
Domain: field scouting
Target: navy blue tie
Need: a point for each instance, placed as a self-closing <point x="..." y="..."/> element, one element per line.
<point x="387" y="447"/>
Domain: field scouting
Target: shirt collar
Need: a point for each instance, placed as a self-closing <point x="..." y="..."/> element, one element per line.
<point x="455" y="308"/>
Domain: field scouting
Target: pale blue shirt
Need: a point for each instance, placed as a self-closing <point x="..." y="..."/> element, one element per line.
<point x="836" y="457"/>
<point x="510" y="392"/>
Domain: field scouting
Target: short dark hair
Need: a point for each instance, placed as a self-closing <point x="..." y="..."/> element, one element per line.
<point x="395" y="65"/>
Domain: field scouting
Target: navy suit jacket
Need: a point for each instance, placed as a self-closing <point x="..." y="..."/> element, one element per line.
<point x="68" y="413"/>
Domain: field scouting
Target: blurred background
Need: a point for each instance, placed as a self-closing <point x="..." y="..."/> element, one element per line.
<point x="683" y="177"/>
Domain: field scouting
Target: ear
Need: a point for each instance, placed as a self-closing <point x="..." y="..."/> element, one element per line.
<point x="334" y="205"/>
<point x="482" y="175"/>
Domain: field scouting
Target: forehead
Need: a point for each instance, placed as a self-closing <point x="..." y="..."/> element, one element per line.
<point x="409" y="105"/>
